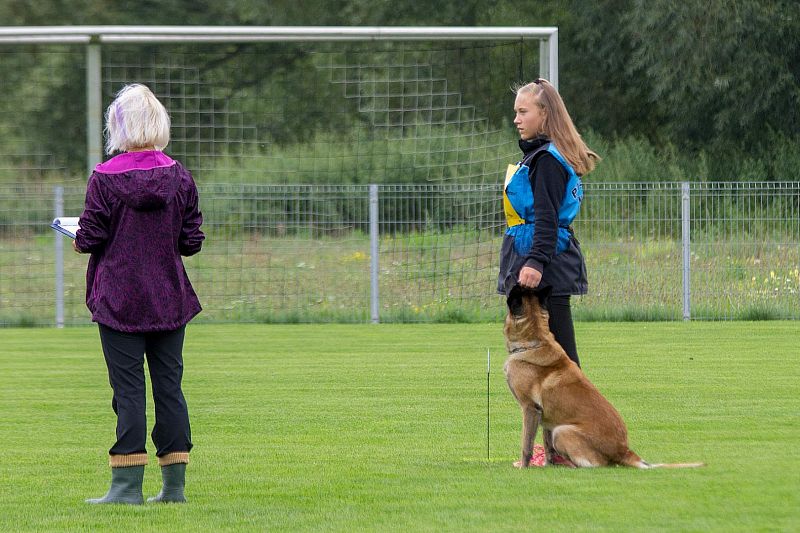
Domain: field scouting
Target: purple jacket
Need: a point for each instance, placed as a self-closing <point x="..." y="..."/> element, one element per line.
<point x="141" y="215"/>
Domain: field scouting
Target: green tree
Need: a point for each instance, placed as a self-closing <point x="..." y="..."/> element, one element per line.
<point x="718" y="79"/>
<point x="725" y="74"/>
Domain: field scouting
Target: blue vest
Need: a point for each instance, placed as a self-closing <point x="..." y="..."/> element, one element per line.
<point x="518" y="202"/>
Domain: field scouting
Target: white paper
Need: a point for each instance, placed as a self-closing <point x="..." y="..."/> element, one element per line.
<point x="66" y="225"/>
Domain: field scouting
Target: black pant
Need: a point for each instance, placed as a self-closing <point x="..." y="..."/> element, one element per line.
<point x="561" y="325"/>
<point x="124" y="354"/>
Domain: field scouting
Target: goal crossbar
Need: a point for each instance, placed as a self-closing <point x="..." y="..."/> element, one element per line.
<point x="155" y="34"/>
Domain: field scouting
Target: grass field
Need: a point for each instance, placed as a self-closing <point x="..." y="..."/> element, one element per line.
<point x="383" y="428"/>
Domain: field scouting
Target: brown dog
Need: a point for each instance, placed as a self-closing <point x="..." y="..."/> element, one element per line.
<point x="578" y="422"/>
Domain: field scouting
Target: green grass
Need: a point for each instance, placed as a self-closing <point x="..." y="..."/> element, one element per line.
<point x="358" y="427"/>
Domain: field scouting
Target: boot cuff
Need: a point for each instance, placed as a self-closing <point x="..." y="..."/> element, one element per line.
<point x="174" y="458"/>
<point x="122" y="461"/>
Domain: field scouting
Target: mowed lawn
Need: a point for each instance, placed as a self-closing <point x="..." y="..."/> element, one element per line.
<point x="383" y="428"/>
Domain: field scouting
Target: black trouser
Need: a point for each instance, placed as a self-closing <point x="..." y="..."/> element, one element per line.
<point x="561" y="325"/>
<point x="124" y="353"/>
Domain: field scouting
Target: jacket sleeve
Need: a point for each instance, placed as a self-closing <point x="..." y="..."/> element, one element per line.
<point x="95" y="220"/>
<point x="191" y="238"/>
<point x="549" y="183"/>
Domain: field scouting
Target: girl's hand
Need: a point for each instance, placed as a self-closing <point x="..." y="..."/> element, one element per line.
<point x="75" y="247"/>
<point x="529" y="277"/>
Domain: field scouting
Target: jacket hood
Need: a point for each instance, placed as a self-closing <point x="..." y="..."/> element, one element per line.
<point x="145" y="181"/>
<point x="529" y="145"/>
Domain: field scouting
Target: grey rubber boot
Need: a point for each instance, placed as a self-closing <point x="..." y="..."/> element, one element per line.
<point x="174" y="478"/>
<point x="126" y="486"/>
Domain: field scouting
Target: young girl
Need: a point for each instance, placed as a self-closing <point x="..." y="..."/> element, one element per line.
<point x="141" y="215"/>
<point x="541" y="197"/>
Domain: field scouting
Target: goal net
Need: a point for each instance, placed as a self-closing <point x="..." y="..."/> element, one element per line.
<point x="283" y="139"/>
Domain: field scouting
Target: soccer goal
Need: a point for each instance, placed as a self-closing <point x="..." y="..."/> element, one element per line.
<point x="285" y="129"/>
<point x="232" y="90"/>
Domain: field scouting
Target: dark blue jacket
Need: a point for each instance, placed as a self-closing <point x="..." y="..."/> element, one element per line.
<point x="542" y="196"/>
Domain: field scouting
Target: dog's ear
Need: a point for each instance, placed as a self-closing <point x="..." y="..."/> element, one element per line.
<point x="515" y="301"/>
<point x="543" y="294"/>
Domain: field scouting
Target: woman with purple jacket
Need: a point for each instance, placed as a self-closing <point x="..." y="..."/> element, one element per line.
<point x="141" y="215"/>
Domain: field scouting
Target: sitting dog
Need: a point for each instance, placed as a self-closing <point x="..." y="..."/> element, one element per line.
<point x="578" y="422"/>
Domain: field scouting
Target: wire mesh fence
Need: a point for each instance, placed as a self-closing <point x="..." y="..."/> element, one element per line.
<point x="393" y="112"/>
<point x="741" y="260"/>
<point x="428" y="122"/>
<point x="302" y="253"/>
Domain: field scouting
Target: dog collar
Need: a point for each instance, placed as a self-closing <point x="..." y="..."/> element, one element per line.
<point x="524" y="347"/>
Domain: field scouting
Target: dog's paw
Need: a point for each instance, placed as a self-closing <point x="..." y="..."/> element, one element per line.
<point x="558" y="460"/>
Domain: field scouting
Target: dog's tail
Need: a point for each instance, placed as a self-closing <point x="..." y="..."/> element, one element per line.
<point x="675" y="465"/>
<point x="633" y="460"/>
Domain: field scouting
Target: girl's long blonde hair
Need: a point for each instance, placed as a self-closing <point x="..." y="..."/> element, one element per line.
<point x="558" y="126"/>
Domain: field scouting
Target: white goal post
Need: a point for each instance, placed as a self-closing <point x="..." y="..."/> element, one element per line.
<point x="95" y="36"/>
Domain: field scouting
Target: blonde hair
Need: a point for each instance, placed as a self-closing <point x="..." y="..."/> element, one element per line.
<point x="136" y="119"/>
<point x="558" y="126"/>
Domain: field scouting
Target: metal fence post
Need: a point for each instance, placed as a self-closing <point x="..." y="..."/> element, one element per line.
<point x="687" y="255"/>
<point x="58" y="194"/>
<point x="373" y="253"/>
